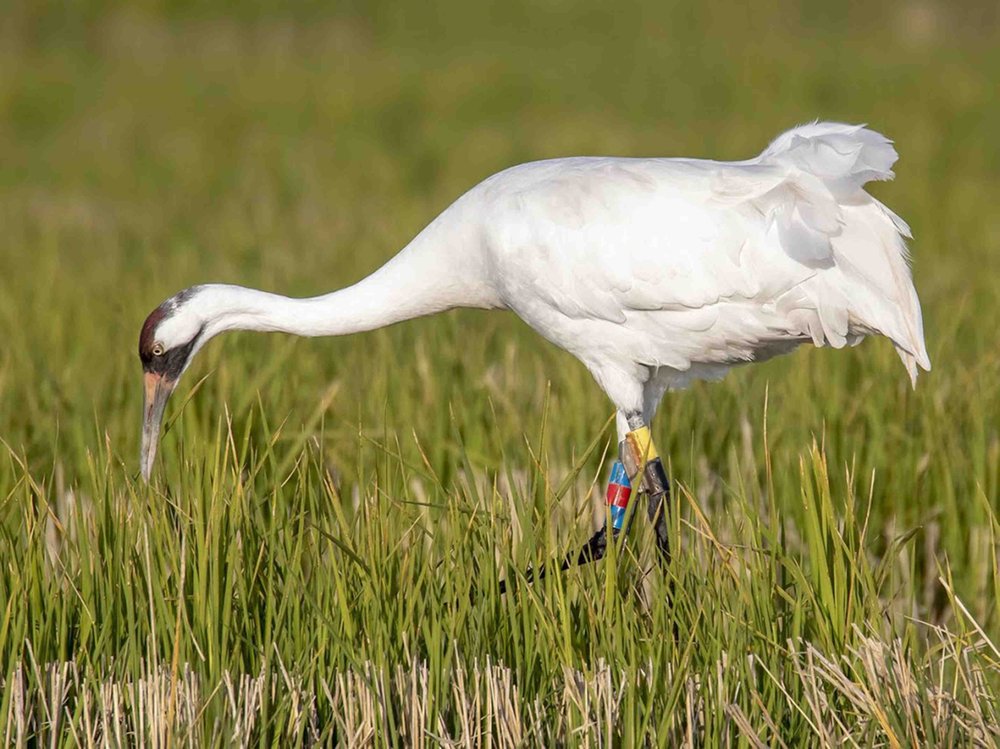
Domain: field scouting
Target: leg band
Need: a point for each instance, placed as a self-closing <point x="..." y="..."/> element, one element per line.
<point x="641" y="459"/>
<point x="619" y="491"/>
<point x="654" y="478"/>
<point x="639" y="450"/>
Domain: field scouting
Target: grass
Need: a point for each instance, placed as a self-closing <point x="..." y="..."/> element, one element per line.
<point x="318" y="557"/>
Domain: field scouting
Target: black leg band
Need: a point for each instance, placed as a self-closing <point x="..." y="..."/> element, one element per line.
<point x="657" y="485"/>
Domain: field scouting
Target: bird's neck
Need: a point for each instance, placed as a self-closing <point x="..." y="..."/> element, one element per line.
<point x="418" y="281"/>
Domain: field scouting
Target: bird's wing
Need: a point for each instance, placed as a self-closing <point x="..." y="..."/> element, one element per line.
<point x="601" y="238"/>
<point x="790" y="238"/>
<point x="824" y="217"/>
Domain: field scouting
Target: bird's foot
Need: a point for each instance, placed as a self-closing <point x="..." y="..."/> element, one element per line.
<point x="638" y="458"/>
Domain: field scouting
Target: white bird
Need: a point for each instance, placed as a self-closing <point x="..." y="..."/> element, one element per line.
<point x="651" y="271"/>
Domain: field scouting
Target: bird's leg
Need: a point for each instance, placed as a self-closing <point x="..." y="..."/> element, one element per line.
<point x="640" y="456"/>
<point x="618" y="492"/>
<point x="637" y="457"/>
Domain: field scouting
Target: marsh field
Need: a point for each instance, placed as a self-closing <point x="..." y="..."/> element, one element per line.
<point x="317" y="559"/>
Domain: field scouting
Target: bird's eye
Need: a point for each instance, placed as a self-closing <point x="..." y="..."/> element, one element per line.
<point x="158" y="349"/>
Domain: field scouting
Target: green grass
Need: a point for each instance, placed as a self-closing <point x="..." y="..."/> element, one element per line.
<point x="318" y="557"/>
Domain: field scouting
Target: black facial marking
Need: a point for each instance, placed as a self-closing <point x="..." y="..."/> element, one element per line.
<point x="182" y="296"/>
<point x="171" y="363"/>
<point x="147" y="337"/>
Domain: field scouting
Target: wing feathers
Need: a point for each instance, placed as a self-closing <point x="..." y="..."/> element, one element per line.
<point x="678" y="262"/>
<point x="823" y="216"/>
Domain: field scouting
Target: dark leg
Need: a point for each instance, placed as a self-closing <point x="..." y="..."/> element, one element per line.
<point x="656" y="483"/>
<point x="618" y="492"/>
<point x="640" y="455"/>
<point x="591" y="551"/>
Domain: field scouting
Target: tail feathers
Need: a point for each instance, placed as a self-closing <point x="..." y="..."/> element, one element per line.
<point x="909" y="341"/>
<point x="823" y="166"/>
<point x="825" y="220"/>
<point x="911" y="362"/>
<point x="913" y="351"/>
<point x="873" y="273"/>
<point x="907" y="334"/>
<point x="843" y="157"/>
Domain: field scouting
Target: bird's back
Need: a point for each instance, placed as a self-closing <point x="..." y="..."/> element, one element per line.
<point x="692" y="266"/>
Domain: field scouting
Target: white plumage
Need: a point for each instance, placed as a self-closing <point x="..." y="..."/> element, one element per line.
<point x="652" y="272"/>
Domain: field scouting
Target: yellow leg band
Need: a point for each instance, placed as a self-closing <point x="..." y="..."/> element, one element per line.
<point x="640" y="458"/>
<point x="640" y="449"/>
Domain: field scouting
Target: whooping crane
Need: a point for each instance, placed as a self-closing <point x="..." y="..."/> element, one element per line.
<point x="652" y="272"/>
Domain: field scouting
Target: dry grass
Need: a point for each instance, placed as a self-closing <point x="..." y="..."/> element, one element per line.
<point x="869" y="696"/>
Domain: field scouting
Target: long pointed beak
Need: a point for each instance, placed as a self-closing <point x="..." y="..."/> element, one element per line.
<point x="158" y="390"/>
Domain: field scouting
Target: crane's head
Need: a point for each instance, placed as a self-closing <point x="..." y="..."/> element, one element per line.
<point x="171" y="335"/>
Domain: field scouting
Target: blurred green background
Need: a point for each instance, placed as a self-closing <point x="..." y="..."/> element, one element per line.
<point x="149" y="146"/>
